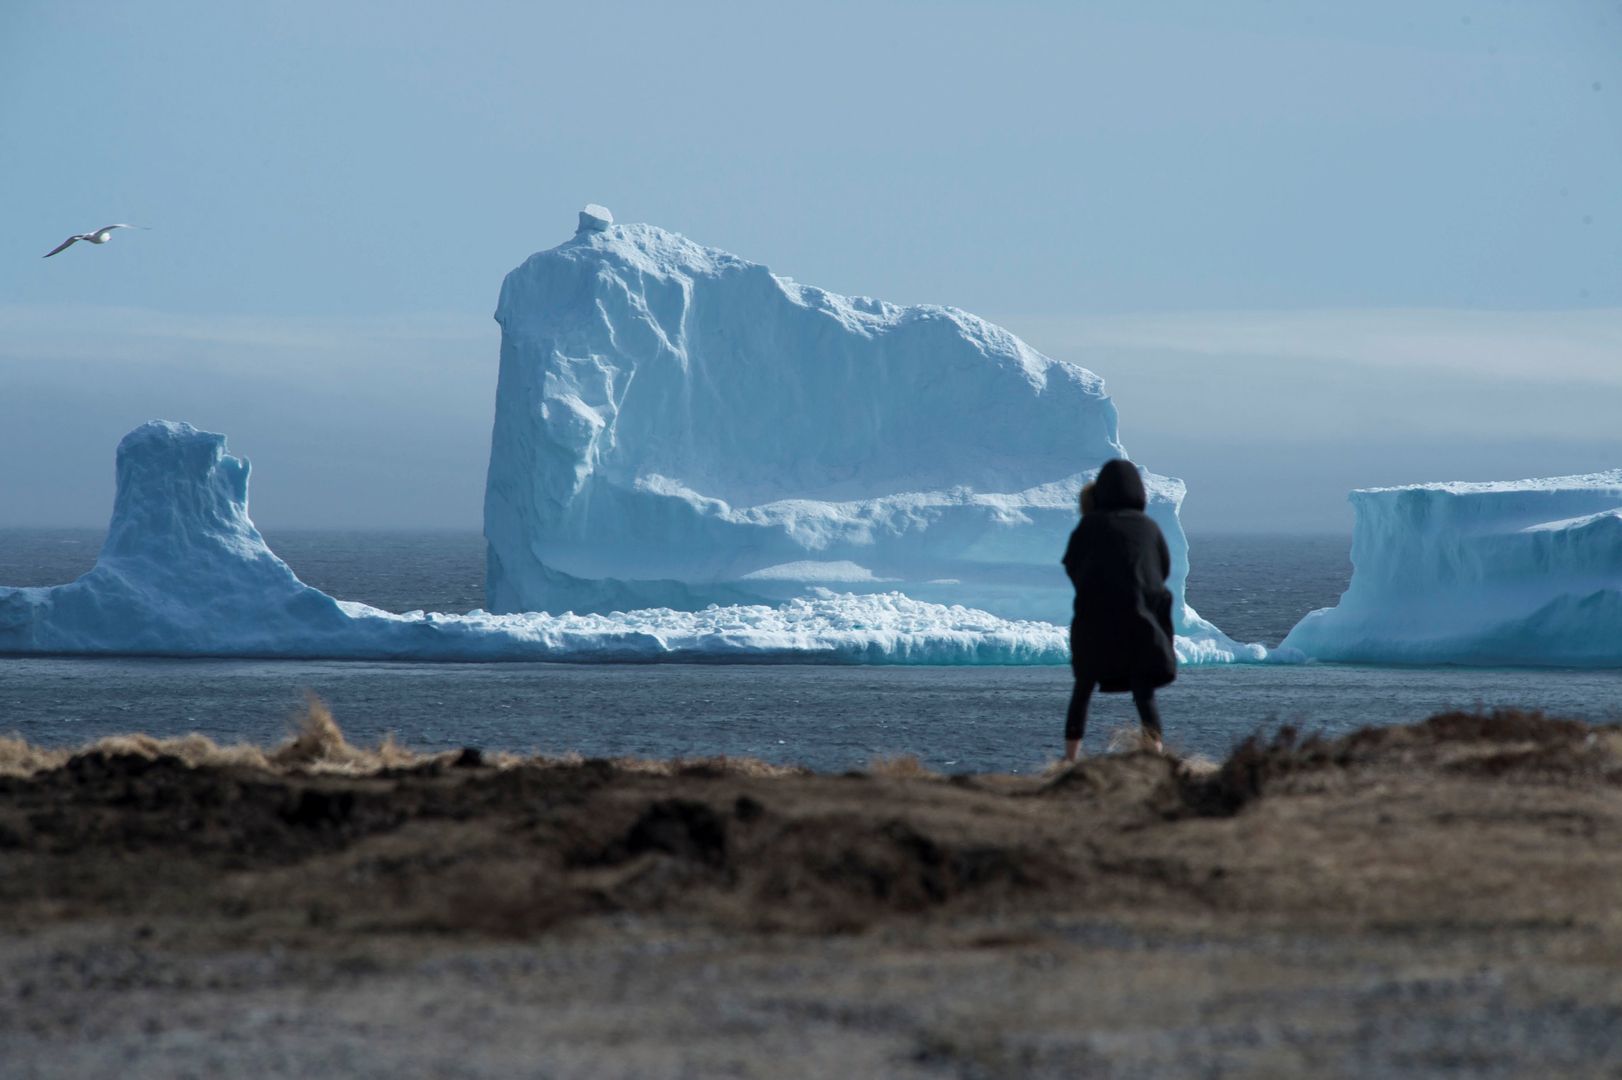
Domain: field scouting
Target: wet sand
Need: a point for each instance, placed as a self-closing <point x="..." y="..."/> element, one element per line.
<point x="1443" y="898"/>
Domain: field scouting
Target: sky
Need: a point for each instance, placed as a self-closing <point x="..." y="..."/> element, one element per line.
<point x="1310" y="246"/>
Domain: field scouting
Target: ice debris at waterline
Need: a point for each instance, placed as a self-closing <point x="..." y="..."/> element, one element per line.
<point x="677" y="427"/>
<point x="1516" y="572"/>
<point x="185" y="573"/>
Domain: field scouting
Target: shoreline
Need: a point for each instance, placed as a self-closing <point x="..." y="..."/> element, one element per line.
<point x="1407" y="900"/>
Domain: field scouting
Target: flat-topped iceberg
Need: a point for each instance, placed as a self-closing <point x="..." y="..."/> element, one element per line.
<point x="677" y="427"/>
<point x="1523" y="572"/>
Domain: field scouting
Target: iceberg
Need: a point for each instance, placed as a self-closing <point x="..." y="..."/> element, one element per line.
<point x="692" y="459"/>
<point x="184" y="572"/>
<point x="1523" y="572"/>
<point x="677" y="427"/>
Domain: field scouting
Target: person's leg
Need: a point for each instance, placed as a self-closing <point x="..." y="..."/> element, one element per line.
<point x="1148" y="715"/>
<point x="1075" y="720"/>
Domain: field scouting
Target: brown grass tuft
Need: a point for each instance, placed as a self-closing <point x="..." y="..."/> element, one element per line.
<point x="18" y="757"/>
<point x="317" y="741"/>
<point x="715" y="765"/>
<point x="317" y="746"/>
<point x="900" y="767"/>
<point x="1503" y="725"/>
<point x="1128" y="740"/>
<point x="1055" y="767"/>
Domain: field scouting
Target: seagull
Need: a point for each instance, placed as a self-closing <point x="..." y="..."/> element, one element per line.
<point x="99" y="236"/>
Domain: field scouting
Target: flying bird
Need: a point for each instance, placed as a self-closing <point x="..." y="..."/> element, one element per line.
<point x="99" y="236"/>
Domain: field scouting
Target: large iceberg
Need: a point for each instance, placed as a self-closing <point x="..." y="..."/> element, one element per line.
<point x="677" y="427"/>
<point x="185" y="573"/>
<point x="1524" y="573"/>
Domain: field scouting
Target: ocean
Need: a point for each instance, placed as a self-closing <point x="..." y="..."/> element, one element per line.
<point x="824" y="716"/>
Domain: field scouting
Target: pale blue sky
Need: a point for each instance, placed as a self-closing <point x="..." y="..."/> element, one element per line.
<point x="1309" y="245"/>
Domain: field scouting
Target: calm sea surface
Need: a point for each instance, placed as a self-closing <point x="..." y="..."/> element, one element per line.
<point x="1254" y="587"/>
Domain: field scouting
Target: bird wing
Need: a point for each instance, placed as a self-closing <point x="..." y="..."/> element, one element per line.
<point x="108" y="228"/>
<point x="63" y="246"/>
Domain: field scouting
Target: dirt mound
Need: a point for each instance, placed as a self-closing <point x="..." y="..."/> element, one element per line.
<point x="1456" y="879"/>
<point x="508" y="849"/>
<point x="1500" y="743"/>
<point x="477" y="842"/>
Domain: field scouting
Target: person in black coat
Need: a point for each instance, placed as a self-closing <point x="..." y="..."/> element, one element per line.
<point x="1121" y="636"/>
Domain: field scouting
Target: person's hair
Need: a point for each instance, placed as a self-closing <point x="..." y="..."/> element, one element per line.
<point x="1086" y="498"/>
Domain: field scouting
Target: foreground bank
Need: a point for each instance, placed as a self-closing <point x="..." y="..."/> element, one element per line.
<point x="1403" y="901"/>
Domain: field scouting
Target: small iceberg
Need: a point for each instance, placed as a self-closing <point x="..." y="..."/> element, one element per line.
<point x="1525" y="572"/>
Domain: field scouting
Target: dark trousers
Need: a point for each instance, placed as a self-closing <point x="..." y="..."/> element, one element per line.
<point x="1075" y="721"/>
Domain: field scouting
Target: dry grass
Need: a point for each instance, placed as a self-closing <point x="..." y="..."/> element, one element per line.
<point x="317" y="746"/>
<point x="1052" y="768"/>
<point x="1128" y="740"/>
<point x="456" y="842"/>
<point x="712" y="765"/>
<point x="901" y="767"/>
<point x="1415" y="879"/>
<point x="19" y="757"/>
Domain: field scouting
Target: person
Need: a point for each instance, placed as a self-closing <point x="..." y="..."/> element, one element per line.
<point x="1121" y="635"/>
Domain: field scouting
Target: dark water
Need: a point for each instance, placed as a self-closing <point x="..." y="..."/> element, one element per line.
<point x="826" y="717"/>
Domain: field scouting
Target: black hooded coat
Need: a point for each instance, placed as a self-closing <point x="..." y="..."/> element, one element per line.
<point x="1118" y="561"/>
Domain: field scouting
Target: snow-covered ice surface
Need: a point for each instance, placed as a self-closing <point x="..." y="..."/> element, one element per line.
<point x="677" y="427"/>
<point x="185" y="573"/>
<point x="1521" y="572"/>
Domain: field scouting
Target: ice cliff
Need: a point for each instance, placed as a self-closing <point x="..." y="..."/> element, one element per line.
<point x="678" y="427"/>
<point x="185" y="573"/>
<point x="1524" y="572"/>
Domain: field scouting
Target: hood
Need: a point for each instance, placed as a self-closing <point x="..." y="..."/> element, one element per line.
<point x="1119" y="487"/>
